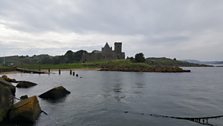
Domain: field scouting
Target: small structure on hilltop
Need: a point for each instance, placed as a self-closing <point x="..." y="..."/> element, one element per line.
<point x="106" y="53"/>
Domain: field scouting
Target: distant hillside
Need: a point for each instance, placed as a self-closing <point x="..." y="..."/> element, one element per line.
<point x="76" y="57"/>
<point x="204" y="62"/>
<point x="68" y="57"/>
<point x="17" y="60"/>
<point x="213" y="62"/>
<point x="195" y="61"/>
<point x="163" y="61"/>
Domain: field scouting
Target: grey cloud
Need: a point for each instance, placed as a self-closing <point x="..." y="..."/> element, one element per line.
<point x="165" y="25"/>
<point x="114" y="17"/>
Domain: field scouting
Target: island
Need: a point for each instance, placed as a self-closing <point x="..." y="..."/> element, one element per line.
<point x="106" y="59"/>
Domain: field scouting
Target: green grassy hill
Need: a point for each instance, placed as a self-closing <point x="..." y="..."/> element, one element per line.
<point x="72" y="60"/>
<point x="114" y="65"/>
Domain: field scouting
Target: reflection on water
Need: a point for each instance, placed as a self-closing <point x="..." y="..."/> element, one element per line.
<point x="102" y="98"/>
<point x="140" y="84"/>
<point x="50" y="101"/>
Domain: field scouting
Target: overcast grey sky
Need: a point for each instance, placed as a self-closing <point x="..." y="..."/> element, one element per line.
<point x="185" y="29"/>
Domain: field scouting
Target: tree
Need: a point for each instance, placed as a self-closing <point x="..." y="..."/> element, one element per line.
<point x="131" y="59"/>
<point x="69" y="56"/>
<point x="78" y="55"/>
<point x="139" y="57"/>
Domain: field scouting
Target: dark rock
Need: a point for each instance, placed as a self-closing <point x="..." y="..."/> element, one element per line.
<point x="126" y="111"/>
<point x="27" y="110"/>
<point x="25" y="84"/>
<point x="8" y="85"/>
<point x="55" y="93"/>
<point x="6" y="101"/>
<point x="6" y="78"/>
<point x="23" y="97"/>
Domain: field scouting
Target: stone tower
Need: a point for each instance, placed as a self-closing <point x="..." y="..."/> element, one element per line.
<point x="118" y="47"/>
<point x="106" y="49"/>
<point x="107" y="52"/>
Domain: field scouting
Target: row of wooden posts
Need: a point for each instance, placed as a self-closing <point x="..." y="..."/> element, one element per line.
<point x="71" y="72"/>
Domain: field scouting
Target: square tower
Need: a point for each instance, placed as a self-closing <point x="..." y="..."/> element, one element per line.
<point x="118" y="47"/>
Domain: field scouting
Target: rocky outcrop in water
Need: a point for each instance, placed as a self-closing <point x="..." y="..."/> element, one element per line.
<point x="55" y="93"/>
<point x="27" y="110"/>
<point x="8" y="85"/>
<point x="7" y="93"/>
<point x="6" y="101"/>
<point x="6" y="78"/>
<point x="25" y="84"/>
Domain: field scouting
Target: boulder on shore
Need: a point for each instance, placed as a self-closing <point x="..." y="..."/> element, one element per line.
<point x="6" y="101"/>
<point x="6" y="78"/>
<point x="8" y="85"/>
<point x="27" y="110"/>
<point x="55" y="93"/>
<point x="25" y="84"/>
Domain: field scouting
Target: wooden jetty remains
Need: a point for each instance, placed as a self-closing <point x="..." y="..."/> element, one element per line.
<point x="30" y="71"/>
<point x="199" y="120"/>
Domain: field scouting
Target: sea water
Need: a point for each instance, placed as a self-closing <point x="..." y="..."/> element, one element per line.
<point x="128" y="98"/>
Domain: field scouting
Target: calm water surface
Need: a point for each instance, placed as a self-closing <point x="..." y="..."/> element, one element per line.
<point x="102" y="98"/>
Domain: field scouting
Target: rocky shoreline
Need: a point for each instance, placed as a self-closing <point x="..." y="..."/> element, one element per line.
<point x="27" y="109"/>
<point x="7" y="93"/>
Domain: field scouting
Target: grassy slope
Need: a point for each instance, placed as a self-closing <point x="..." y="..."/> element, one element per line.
<point x="152" y="64"/>
<point x="63" y="66"/>
<point x="6" y="68"/>
<point x="170" y="62"/>
<point x="115" y="65"/>
<point x="126" y="65"/>
<point x="98" y="64"/>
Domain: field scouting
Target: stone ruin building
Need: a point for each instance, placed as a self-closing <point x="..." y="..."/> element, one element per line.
<point x="106" y="53"/>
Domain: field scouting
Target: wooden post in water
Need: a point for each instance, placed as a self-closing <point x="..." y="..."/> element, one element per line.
<point x="70" y="72"/>
<point x="76" y="75"/>
<point x="39" y="71"/>
<point x="48" y="71"/>
<point x="59" y="71"/>
<point x="73" y="73"/>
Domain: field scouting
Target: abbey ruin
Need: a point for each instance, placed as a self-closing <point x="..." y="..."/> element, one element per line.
<point x="106" y="53"/>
